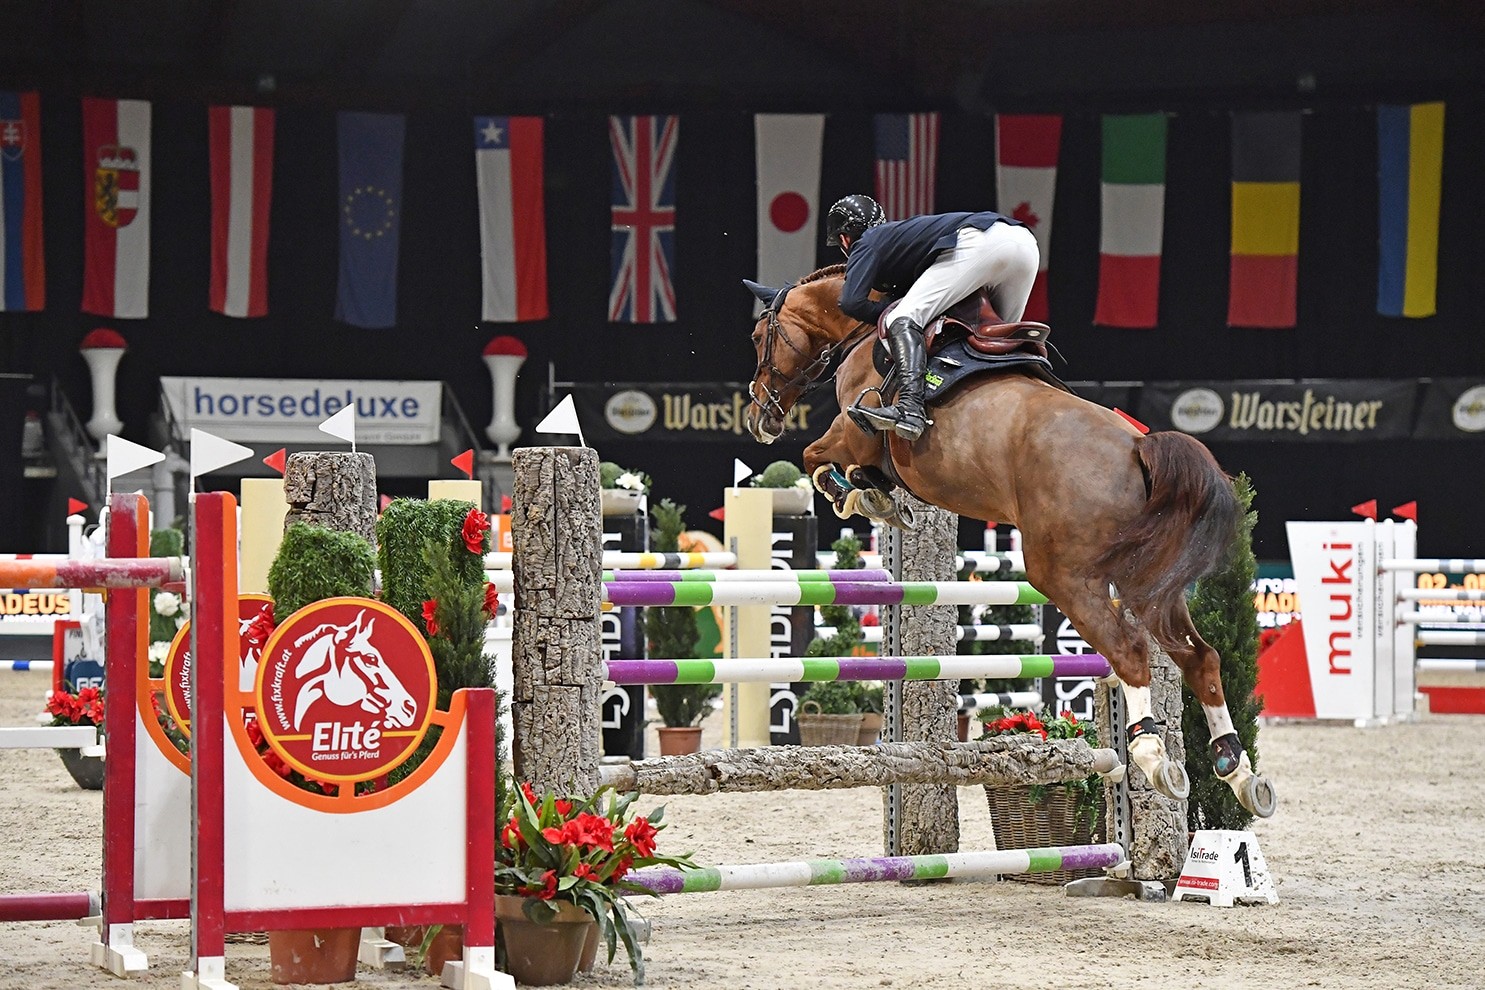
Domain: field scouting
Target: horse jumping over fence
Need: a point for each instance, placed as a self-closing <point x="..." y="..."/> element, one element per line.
<point x="1097" y="502"/>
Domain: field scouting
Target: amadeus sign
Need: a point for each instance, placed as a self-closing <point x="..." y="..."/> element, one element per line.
<point x="290" y="410"/>
<point x="1327" y="411"/>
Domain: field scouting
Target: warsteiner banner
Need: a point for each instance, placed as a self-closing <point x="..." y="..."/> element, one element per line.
<point x="685" y="411"/>
<point x="1452" y="409"/>
<point x="1315" y="410"/>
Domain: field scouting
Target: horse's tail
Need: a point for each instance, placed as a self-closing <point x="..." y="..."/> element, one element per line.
<point x="1190" y="520"/>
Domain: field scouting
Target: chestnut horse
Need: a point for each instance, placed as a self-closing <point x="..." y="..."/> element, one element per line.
<point x="1097" y="502"/>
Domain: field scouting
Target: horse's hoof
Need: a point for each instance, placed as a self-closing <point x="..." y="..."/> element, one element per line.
<point x="907" y="519"/>
<point x="1258" y="797"/>
<point x="1171" y="781"/>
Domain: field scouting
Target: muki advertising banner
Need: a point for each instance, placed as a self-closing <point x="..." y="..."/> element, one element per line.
<point x="1318" y="410"/>
<point x="686" y="411"/>
<point x="290" y="410"/>
<point x="1452" y="409"/>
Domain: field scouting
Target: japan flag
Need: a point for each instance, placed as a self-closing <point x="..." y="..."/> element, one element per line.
<point x="788" y="155"/>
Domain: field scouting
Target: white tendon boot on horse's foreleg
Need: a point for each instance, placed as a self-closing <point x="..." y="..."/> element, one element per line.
<point x="1233" y="767"/>
<point x="1147" y="750"/>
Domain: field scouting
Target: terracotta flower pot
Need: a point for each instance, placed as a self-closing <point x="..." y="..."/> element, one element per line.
<point x="871" y="727"/>
<point x="541" y="955"/>
<point x="678" y="740"/>
<point x="591" y="943"/>
<point x="319" y="955"/>
<point x="447" y="945"/>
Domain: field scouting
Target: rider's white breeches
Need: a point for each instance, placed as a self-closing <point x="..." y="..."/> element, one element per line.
<point x="1003" y="258"/>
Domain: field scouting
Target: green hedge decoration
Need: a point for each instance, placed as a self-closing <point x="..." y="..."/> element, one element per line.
<point x="402" y="532"/>
<point x="315" y="563"/>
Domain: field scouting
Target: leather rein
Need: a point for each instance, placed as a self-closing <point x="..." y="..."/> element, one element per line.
<point x="817" y="371"/>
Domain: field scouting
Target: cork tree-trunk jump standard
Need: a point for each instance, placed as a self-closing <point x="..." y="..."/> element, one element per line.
<point x="1097" y="503"/>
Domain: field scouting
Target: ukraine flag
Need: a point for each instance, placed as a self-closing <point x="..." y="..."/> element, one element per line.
<point x="1410" y="153"/>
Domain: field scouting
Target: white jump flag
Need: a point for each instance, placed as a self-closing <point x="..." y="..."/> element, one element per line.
<point x="342" y="426"/>
<point x="740" y="472"/>
<point x="563" y="419"/>
<point x="210" y="452"/>
<point x="126" y="456"/>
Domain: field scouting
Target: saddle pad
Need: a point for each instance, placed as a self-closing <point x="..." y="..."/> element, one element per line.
<point x="956" y="361"/>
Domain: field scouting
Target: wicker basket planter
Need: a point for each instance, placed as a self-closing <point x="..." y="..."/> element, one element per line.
<point x="1020" y="823"/>
<point x="816" y="729"/>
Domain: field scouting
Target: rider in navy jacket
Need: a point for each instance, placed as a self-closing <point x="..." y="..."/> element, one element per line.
<point x="930" y="263"/>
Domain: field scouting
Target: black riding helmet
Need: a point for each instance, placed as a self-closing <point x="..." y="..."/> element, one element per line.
<point x="852" y="215"/>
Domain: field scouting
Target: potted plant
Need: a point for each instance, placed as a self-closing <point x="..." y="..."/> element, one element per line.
<point x="830" y="714"/>
<point x="561" y="875"/>
<point x="793" y="493"/>
<point x="83" y="708"/>
<point x="431" y="555"/>
<point x="621" y="490"/>
<point x="858" y="699"/>
<point x="312" y="563"/>
<point x="672" y="635"/>
<point x="1039" y="815"/>
<point x="994" y="615"/>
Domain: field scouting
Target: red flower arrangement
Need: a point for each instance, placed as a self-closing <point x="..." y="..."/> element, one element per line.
<point x="103" y="337"/>
<point x="1087" y="791"/>
<point x="430" y="611"/>
<point x="492" y="601"/>
<point x="558" y="849"/>
<point x="83" y="708"/>
<point x="474" y="531"/>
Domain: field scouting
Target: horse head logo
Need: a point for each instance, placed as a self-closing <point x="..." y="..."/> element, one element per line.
<point x="342" y="666"/>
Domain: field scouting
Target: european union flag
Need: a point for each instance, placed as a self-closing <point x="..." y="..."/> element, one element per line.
<point x="370" y="217"/>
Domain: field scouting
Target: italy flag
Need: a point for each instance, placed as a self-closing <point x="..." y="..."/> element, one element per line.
<point x="1133" y="220"/>
<point x="1410" y="158"/>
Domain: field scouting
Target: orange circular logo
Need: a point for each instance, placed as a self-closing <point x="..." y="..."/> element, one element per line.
<point x="178" y="660"/>
<point x="345" y="689"/>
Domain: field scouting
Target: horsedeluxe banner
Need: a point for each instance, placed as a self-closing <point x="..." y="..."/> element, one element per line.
<point x="1314" y="411"/>
<point x="290" y="410"/>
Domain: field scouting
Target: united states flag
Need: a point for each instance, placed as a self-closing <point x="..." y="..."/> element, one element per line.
<point x="907" y="163"/>
<point x="643" y="238"/>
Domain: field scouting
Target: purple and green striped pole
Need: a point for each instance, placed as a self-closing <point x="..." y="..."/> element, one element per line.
<point x="859" y="575"/>
<point x="778" y="670"/>
<point x="653" y="593"/>
<point x="823" y="872"/>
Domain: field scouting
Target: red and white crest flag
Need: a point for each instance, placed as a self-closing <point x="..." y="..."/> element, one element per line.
<point x="788" y="157"/>
<point x="906" y="162"/>
<point x="1026" y="147"/>
<point x="116" y="198"/>
<point x="241" y="191"/>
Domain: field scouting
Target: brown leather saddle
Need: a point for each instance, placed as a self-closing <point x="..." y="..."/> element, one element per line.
<point x="983" y="329"/>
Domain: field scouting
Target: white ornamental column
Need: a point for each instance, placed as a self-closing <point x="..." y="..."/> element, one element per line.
<point x="504" y="357"/>
<point x="102" y="349"/>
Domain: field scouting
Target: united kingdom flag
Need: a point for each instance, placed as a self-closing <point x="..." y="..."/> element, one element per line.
<point x="643" y="238"/>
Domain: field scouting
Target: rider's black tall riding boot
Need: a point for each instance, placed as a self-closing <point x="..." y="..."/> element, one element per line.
<point x="905" y="416"/>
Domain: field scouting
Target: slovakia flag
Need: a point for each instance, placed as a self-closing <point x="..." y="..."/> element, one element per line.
<point x="116" y="224"/>
<point x="22" y="273"/>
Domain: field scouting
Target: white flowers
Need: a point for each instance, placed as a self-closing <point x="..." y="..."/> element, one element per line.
<point x="167" y="603"/>
<point x="158" y="650"/>
<point x="805" y="483"/>
<point x="631" y="481"/>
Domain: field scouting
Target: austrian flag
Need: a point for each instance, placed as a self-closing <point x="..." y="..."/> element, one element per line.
<point x="116" y="225"/>
<point x="241" y="189"/>
<point x="643" y="227"/>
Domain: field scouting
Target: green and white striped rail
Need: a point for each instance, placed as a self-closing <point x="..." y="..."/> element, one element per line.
<point x="823" y="872"/>
<point x="779" y="670"/>
<point x="789" y="593"/>
<point x="633" y="560"/>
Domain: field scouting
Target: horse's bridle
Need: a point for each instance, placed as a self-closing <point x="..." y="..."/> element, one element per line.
<point x="817" y="372"/>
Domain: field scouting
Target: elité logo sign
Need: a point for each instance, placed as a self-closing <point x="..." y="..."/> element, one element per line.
<point x="345" y="689"/>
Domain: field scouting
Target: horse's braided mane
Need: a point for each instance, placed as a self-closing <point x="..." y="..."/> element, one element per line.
<point x="825" y="272"/>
